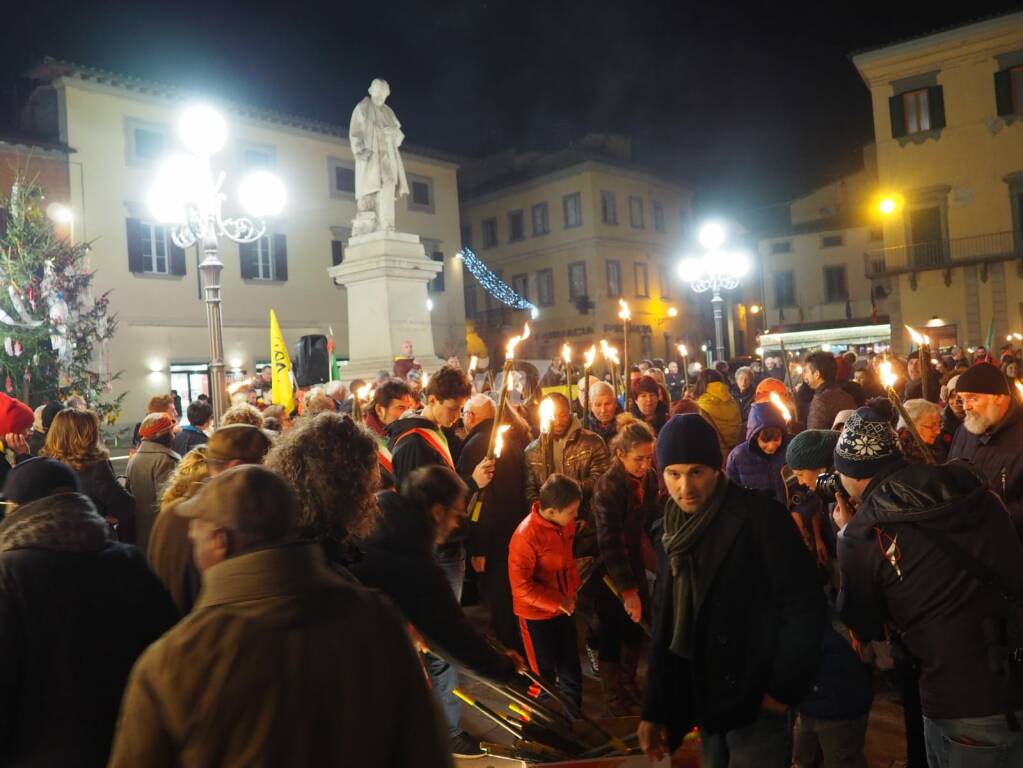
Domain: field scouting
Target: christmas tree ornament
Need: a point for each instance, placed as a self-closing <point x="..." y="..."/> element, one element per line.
<point x="18" y="349"/>
<point x="9" y="346"/>
<point x="9" y="384"/>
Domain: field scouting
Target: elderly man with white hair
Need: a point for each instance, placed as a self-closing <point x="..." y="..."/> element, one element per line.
<point x="604" y="407"/>
<point x="501" y="507"/>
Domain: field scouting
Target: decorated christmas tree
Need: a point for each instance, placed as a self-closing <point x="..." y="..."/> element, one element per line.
<point x="53" y="331"/>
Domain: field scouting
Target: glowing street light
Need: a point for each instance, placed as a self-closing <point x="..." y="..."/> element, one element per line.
<point x="187" y="195"/>
<point x="887" y="206"/>
<point x="672" y="312"/>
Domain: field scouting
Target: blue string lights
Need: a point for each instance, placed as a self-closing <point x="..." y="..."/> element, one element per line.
<point x="494" y="285"/>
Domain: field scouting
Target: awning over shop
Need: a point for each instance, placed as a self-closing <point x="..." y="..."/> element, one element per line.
<point x="856" y="335"/>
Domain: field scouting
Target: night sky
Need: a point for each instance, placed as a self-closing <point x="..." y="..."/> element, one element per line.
<point x="753" y="103"/>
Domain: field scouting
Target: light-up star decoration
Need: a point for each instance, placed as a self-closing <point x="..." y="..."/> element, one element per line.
<point x="494" y="285"/>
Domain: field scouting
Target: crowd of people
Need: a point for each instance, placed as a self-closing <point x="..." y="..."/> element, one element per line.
<point x="774" y="541"/>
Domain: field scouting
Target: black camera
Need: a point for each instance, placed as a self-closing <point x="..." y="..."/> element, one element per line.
<point x="829" y="486"/>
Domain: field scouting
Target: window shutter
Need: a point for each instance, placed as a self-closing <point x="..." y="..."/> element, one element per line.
<point x="247" y="259"/>
<point x="1003" y="92"/>
<point x="280" y="254"/>
<point x="898" y="114"/>
<point x="177" y="259"/>
<point x="936" y="99"/>
<point x="337" y="254"/>
<point x="134" y="228"/>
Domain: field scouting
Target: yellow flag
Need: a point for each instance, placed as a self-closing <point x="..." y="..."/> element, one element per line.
<point x="283" y="394"/>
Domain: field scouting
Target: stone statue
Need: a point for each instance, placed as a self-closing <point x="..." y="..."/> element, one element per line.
<point x="375" y="135"/>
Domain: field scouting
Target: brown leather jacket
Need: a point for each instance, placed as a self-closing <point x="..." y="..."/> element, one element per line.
<point x="586" y="459"/>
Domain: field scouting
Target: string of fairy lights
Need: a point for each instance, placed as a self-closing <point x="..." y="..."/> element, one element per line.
<point x="493" y="284"/>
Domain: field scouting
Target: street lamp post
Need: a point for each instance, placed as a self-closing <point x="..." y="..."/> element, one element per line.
<point x="187" y="197"/>
<point x="718" y="270"/>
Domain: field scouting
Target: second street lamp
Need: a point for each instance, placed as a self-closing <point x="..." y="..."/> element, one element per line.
<point x="188" y="197"/>
<point x="718" y="270"/>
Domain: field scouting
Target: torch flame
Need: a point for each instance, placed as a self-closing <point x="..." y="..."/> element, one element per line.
<point x="499" y="440"/>
<point x="888" y="376"/>
<point x="473" y="362"/>
<point x="589" y="354"/>
<point x="682" y="350"/>
<point x="780" y="405"/>
<point x="425" y="380"/>
<point x="566" y="353"/>
<point x="612" y="354"/>
<point x="625" y="313"/>
<point x="509" y="350"/>
<point x="546" y="415"/>
<point x="1019" y="389"/>
<point x="363" y="392"/>
<point x="918" y="338"/>
<point x="603" y="348"/>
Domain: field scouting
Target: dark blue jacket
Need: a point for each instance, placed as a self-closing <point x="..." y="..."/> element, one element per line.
<point x="749" y="466"/>
<point x="843" y="689"/>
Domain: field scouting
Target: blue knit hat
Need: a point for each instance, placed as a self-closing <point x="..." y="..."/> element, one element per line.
<point x="868" y="444"/>
<point x="688" y="439"/>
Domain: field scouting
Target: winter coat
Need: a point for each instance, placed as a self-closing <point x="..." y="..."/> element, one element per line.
<point x="997" y="456"/>
<point x="541" y="567"/>
<point x="111" y="499"/>
<point x="170" y="556"/>
<point x="659" y="419"/>
<point x="282" y="662"/>
<point x="914" y="388"/>
<point x="827" y="403"/>
<point x="504" y="499"/>
<point x="949" y="424"/>
<point x="77" y="607"/>
<point x="938" y="608"/>
<point x="606" y="431"/>
<point x="844" y="688"/>
<point x="397" y="559"/>
<point x="410" y="450"/>
<point x="938" y="449"/>
<point x="745" y="400"/>
<point x="717" y="405"/>
<point x="676" y="385"/>
<point x="586" y="459"/>
<point x="148" y="470"/>
<point x="758" y="623"/>
<point x="622" y="521"/>
<point x="749" y="466"/>
<point x="187" y="439"/>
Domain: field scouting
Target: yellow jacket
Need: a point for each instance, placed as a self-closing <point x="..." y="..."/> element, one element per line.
<point x="720" y="408"/>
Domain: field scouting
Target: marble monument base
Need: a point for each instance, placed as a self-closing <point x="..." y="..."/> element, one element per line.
<point x="386" y="275"/>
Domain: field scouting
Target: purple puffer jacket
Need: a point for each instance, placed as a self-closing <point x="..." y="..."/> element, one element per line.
<point x="749" y="466"/>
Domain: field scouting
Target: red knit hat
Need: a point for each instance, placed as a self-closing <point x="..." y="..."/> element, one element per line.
<point x="15" y="416"/>
<point x="154" y="425"/>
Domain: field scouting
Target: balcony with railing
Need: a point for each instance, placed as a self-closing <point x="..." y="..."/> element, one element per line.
<point x="943" y="254"/>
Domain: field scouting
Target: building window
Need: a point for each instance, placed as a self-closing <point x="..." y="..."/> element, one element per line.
<point x="541" y="219"/>
<point x="877" y="233"/>
<point x="782" y="246"/>
<point x="469" y="290"/>
<point x="489" y="233"/>
<point x="155" y="249"/>
<point x="1016" y="78"/>
<point x="636" y="212"/>
<point x="420" y="196"/>
<point x="265" y="259"/>
<point x="520" y="284"/>
<point x="831" y="241"/>
<point x="516" y="227"/>
<point x="642" y="279"/>
<point x="573" y="209"/>
<point x="467" y="236"/>
<point x="339" y="237"/>
<point x="545" y="287"/>
<point x="608" y="207"/>
<point x="659" y="217"/>
<point x="664" y="280"/>
<point x="341" y="178"/>
<point x="437" y="284"/>
<point x="145" y="141"/>
<point x="614" y="279"/>
<point x="835" y="288"/>
<point x="785" y="289"/>
<point x="917" y="111"/>
<point x="577" y="280"/>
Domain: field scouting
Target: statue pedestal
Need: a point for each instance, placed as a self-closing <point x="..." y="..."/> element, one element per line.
<point x="386" y="275"/>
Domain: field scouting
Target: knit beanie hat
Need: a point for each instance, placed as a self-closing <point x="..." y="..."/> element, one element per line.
<point x="867" y="445"/>
<point x="688" y="439"/>
<point x="811" y="449"/>
<point x="154" y="425"/>
<point x="15" y="416"/>
<point x="983" y="379"/>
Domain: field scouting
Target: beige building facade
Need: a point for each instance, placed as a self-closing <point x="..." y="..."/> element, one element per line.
<point x="575" y="232"/>
<point x="119" y="128"/>
<point x="948" y="120"/>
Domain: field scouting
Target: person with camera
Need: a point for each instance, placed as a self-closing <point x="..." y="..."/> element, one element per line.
<point x="932" y="552"/>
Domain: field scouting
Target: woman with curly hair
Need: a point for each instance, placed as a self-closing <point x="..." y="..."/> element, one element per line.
<point x="187" y="477"/>
<point x="331" y="464"/>
<point x="74" y="438"/>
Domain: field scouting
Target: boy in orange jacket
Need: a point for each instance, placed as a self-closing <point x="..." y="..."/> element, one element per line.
<point x="544" y="583"/>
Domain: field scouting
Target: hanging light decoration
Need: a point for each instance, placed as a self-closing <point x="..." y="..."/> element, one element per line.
<point x="493" y="284"/>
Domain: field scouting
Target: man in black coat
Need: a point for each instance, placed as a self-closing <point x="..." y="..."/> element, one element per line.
<point x="991" y="435"/>
<point x="77" y="608"/>
<point x="897" y="569"/>
<point x="502" y="507"/>
<point x="739" y="619"/>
